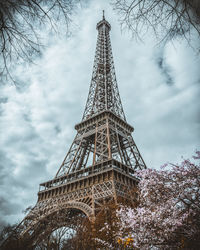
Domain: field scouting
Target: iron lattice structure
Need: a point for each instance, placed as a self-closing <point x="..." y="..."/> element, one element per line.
<point x="100" y="164"/>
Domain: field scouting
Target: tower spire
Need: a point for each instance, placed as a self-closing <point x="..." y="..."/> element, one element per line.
<point x="103" y="93"/>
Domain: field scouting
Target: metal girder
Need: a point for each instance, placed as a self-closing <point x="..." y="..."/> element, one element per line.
<point x="107" y="139"/>
<point x="101" y="161"/>
<point x="103" y="93"/>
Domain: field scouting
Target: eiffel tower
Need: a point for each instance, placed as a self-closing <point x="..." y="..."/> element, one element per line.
<point x="100" y="164"/>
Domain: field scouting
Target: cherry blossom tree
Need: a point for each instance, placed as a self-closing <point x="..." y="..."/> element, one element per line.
<point x="168" y="214"/>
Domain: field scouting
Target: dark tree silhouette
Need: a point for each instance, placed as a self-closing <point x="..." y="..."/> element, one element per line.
<point x="73" y="231"/>
<point x="20" y="24"/>
<point x="167" y="18"/>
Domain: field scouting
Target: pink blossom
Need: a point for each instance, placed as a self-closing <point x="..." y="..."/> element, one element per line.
<point x="169" y="206"/>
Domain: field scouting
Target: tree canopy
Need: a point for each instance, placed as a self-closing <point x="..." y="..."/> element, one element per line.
<point x="168" y="214"/>
<point x="166" y="18"/>
<point x="20" y="24"/>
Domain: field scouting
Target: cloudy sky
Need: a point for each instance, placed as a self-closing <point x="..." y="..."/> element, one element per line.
<point x="159" y="88"/>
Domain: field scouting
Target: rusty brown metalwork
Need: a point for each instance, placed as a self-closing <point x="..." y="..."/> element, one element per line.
<point x="100" y="164"/>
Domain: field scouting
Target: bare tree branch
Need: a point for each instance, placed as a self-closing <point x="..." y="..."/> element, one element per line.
<point x="20" y="24"/>
<point x="167" y="18"/>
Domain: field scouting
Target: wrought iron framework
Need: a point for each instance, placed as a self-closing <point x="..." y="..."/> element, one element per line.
<point x="100" y="164"/>
<point x="103" y="93"/>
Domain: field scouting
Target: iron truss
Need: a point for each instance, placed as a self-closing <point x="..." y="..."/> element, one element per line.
<point x="103" y="93"/>
<point x="100" y="164"/>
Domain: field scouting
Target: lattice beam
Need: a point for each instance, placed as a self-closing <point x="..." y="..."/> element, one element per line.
<point x="100" y="164"/>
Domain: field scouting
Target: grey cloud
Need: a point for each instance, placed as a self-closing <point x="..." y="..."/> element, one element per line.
<point x="3" y="99"/>
<point x="37" y="120"/>
<point x="165" y="70"/>
<point x="7" y="207"/>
